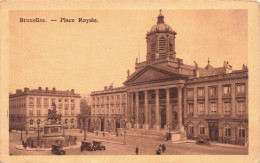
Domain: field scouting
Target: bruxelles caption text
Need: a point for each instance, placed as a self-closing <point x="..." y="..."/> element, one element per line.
<point x="62" y="20"/>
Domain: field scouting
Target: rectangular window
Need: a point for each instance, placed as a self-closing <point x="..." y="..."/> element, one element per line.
<point x="226" y="89"/>
<point x="201" y="108"/>
<point x="212" y="91"/>
<point x="72" y="106"/>
<point x="31" y="100"/>
<point x="31" y="112"/>
<point x="38" y="101"/>
<point x="241" y="132"/>
<point x="60" y="106"/>
<point x="66" y="106"/>
<point x="72" y="100"/>
<point x="213" y="108"/>
<point x="53" y="100"/>
<point x="66" y="100"/>
<point x="60" y="100"/>
<point x="190" y="108"/>
<point x="227" y="131"/>
<point x="241" y="107"/>
<point x="240" y="88"/>
<point x="38" y="112"/>
<point x="202" y="130"/>
<point x="226" y="108"/>
<point x="201" y="92"/>
<point x="190" y="92"/>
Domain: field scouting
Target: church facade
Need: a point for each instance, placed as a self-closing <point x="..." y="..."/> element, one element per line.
<point x="165" y="94"/>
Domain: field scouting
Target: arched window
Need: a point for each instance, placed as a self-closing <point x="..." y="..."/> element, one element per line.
<point x="190" y="129"/>
<point x="241" y="131"/>
<point x="31" y="122"/>
<point x="72" y="121"/>
<point x="227" y="130"/>
<point x="38" y="122"/>
<point x="202" y="129"/>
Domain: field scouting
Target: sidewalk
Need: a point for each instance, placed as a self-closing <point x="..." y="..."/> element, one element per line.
<point x="20" y="147"/>
<point x="213" y="144"/>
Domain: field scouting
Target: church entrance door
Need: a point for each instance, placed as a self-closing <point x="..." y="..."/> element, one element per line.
<point x="163" y="117"/>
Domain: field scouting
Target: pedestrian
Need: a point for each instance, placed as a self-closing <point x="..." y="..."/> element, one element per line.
<point x="136" y="150"/>
<point x="25" y="145"/>
<point x="163" y="147"/>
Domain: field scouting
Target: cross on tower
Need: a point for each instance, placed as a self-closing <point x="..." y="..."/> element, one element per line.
<point x="160" y="11"/>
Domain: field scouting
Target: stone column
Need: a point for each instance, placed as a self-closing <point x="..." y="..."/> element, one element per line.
<point x="206" y="105"/>
<point x="128" y="108"/>
<point x="219" y="92"/>
<point x="132" y="107"/>
<point x="146" y="124"/>
<point x="157" y="110"/>
<point x="168" y="118"/>
<point x="180" y="126"/>
<point x="233" y="96"/>
<point x="137" y="125"/>
<point x="195" y="104"/>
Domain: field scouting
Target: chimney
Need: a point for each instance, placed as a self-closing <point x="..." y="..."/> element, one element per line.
<point x="53" y="89"/>
<point x="105" y="88"/>
<point x="19" y="91"/>
<point x="26" y="89"/>
<point x="72" y="90"/>
<point x="40" y="88"/>
<point x="111" y="86"/>
<point x="47" y="88"/>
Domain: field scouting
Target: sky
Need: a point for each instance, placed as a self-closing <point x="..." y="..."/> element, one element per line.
<point x="88" y="56"/>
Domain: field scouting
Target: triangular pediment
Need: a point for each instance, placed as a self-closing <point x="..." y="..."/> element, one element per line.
<point x="150" y="74"/>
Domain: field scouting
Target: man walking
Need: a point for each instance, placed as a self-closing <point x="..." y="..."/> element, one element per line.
<point x="136" y="150"/>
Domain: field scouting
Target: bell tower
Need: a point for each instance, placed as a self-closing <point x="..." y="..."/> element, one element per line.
<point x="160" y="40"/>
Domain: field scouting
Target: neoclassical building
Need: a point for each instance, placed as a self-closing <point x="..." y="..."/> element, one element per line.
<point x="165" y="94"/>
<point x="29" y="108"/>
<point x="108" y="109"/>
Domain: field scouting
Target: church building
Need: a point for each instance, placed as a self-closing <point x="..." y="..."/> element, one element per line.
<point x="166" y="95"/>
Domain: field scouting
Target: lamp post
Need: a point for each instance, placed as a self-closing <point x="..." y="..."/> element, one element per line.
<point x="124" y="135"/>
<point x="38" y="137"/>
<point x="85" y="131"/>
<point x="64" y="129"/>
<point x="21" y="134"/>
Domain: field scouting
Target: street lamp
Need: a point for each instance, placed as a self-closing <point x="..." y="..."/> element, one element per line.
<point x="124" y="135"/>
<point x="64" y="129"/>
<point x="85" y="132"/>
<point x="38" y="137"/>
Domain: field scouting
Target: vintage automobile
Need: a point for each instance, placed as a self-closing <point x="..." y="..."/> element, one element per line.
<point x="85" y="145"/>
<point x="204" y="141"/>
<point x="98" y="146"/>
<point x="57" y="149"/>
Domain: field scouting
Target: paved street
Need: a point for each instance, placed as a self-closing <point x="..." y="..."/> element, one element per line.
<point x="115" y="146"/>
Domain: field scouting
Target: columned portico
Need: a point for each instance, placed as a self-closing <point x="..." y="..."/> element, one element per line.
<point x="149" y="99"/>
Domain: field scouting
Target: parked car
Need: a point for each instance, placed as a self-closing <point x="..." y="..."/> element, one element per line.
<point x="85" y="145"/>
<point x="204" y="141"/>
<point x="57" y="150"/>
<point x="98" y="145"/>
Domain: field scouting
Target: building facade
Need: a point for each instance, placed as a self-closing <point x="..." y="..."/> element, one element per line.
<point x="165" y="94"/>
<point x="29" y="108"/>
<point x="108" y="109"/>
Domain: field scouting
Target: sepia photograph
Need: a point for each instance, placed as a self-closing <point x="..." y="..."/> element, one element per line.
<point x="161" y="81"/>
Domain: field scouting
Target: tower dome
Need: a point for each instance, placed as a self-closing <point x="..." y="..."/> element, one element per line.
<point x="160" y="40"/>
<point x="161" y="26"/>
